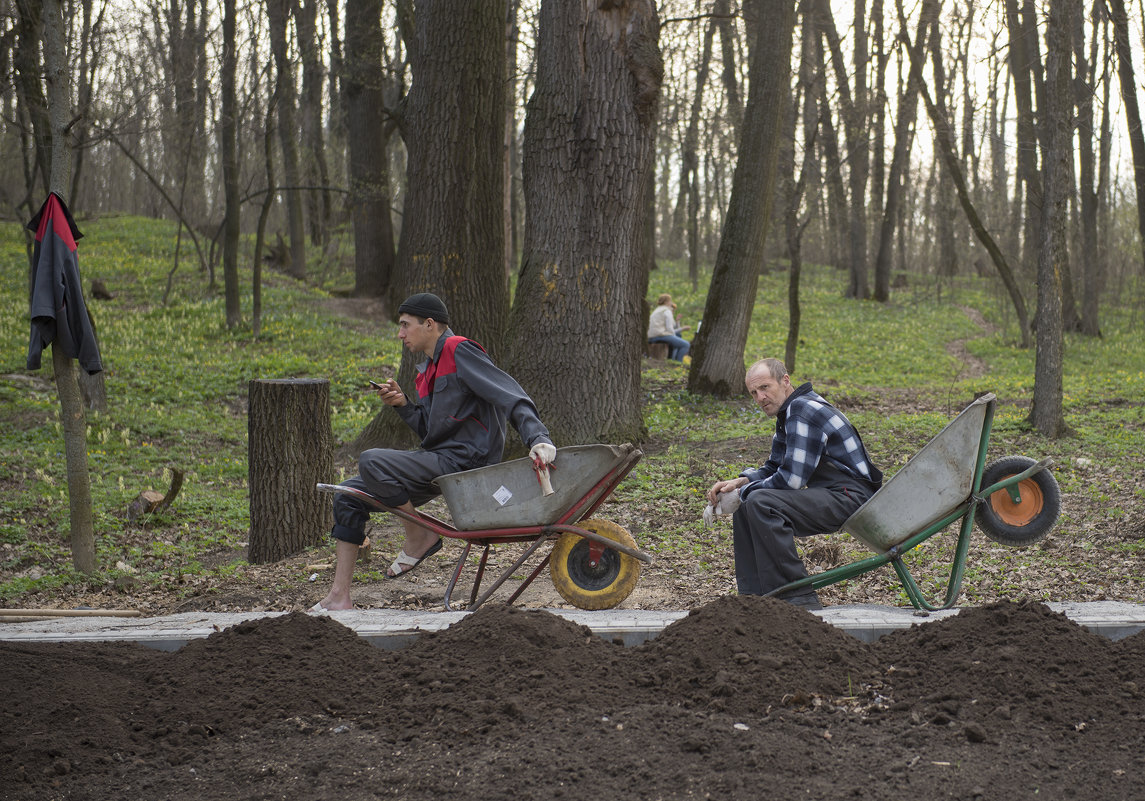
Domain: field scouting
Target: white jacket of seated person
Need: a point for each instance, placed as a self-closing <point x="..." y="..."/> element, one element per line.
<point x="661" y="323"/>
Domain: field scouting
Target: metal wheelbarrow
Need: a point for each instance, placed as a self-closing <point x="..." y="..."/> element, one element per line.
<point x="594" y="563"/>
<point x="1015" y="501"/>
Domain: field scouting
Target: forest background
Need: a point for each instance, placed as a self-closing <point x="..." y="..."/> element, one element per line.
<point x="536" y="163"/>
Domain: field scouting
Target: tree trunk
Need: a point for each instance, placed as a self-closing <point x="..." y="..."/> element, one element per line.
<point x="1023" y="52"/>
<point x="315" y="172"/>
<point x="277" y="12"/>
<point x="1132" y="110"/>
<point x="588" y="151"/>
<point x="793" y="188"/>
<point x="230" y="162"/>
<point x="857" y="136"/>
<point x="25" y="60"/>
<point x="289" y="452"/>
<point x="1089" y="255"/>
<point x="1053" y="258"/>
<point x="903" y="133"/>
<point x="718" y="350"/>
<point x="366" y="126"/>
<point x="59" y="106"/>
<point x="452" y="237"/>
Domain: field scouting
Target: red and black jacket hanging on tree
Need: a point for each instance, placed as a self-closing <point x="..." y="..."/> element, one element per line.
<point x="59" y="314"/>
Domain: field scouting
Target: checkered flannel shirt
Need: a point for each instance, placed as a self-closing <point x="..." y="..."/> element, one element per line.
<point x="808" y="429"/>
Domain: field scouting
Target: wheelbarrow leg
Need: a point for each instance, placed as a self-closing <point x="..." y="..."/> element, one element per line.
<point x="456" y="574"/>
<point x="505" y="576"/>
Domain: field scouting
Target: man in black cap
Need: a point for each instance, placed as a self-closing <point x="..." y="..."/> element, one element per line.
<point x="463" y="404"/>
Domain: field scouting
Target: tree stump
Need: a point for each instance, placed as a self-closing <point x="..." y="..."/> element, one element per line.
<point x="289" y="451"/>
<point x="658" y="350"/>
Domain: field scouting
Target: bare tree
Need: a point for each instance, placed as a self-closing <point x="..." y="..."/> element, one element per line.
<point x="277" y="14"/>
<point x="1053" y="256"/>
<point x="718" y="349"/>
<point x="944" y="143"/>
<point x="228" y="150"/>
<point x="903" y="136"/>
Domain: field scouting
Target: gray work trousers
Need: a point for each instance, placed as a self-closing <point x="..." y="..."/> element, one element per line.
<point x="391" y="476"/>
<point x="766" y="524"/>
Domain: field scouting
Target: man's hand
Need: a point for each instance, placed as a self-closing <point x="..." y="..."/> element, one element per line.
<point x="724" y="486"/>
<point x="543" y="452"/>
<point x="391" y="394"/>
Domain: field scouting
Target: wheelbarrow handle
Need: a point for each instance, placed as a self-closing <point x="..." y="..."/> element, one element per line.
<point x="543" y="477"/>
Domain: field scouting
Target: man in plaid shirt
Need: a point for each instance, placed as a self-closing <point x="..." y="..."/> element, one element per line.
<point x="817" y="475"/>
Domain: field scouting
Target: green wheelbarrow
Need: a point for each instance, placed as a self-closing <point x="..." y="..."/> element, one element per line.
<point x="1015" y="501"/>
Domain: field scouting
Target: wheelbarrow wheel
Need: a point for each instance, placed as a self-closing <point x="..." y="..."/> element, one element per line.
<point x="602" y="585"/>
<point x="1028" y="520"/>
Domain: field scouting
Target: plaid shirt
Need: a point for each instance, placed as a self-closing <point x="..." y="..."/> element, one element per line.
<point x="808" y="429"/>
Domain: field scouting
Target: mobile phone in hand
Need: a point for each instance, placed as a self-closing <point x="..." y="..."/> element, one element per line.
<point x="376" y="385"/>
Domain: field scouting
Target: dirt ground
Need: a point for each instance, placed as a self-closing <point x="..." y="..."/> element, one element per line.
<point x="746" y="698"/>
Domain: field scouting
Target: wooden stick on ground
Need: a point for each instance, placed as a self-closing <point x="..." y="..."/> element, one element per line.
<point x="38" y="613"/>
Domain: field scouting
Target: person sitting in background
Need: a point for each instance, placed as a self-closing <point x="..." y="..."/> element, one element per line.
<point x="662" y="328"/>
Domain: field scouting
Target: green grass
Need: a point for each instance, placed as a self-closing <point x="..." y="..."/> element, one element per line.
<point x="177" y="381"/>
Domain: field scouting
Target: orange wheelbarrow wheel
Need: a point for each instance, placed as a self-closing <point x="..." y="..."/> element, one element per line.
<point x="1027" y="519"/>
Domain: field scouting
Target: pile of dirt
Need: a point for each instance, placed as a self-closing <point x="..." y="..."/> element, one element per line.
<point x="743" y="698"/>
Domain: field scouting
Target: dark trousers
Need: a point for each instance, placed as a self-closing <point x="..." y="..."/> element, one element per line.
<point x="391" y="476"/>
<point x="766" y="524"/>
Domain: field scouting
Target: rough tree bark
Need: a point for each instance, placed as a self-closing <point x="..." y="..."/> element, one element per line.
<point x="718" y="350"/>
<point x="289" y="451"/>
<point x="577" y="326"/>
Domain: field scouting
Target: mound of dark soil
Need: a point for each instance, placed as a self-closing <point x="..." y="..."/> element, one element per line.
<point x="745" y="698"/>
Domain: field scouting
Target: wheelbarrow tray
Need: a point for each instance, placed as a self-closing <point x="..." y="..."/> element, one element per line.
<point x="926" y="489"/>
<point x="508" y="495"/>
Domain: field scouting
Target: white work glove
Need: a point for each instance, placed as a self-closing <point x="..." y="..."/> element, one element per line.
<point x="543" y="452"/>
<point x="726" y="504"/>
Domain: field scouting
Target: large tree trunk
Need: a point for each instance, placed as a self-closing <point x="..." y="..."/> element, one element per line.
<point x="228" y="148"/>
<point x="718" y="350"/>
<point x="452" y="237"/>
<point x="1053" y="258"/>
<point x="277" y="13"/>
<point x="366" y="125"/>
<point x="289" y="452"/>
<point x="577" y="327"/>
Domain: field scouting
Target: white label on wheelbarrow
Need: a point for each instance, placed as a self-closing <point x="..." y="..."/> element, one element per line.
<point x="502" y="495"/>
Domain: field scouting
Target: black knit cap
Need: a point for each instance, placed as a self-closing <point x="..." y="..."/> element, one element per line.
<point x="425" y="304"/>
